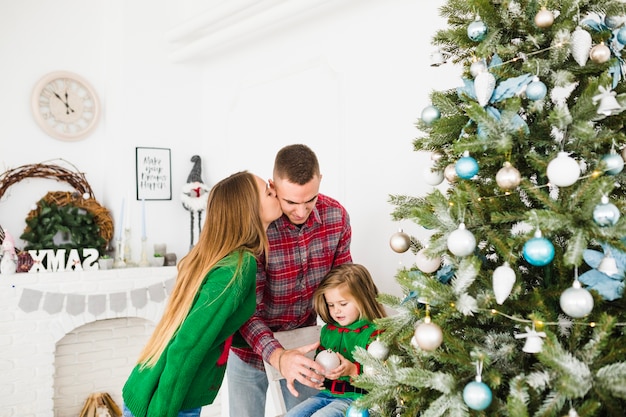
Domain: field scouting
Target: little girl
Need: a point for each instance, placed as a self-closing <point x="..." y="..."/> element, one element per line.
<point x="346" y="302"/>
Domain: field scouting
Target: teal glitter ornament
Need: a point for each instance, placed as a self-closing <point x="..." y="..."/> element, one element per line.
<point x="606" y="213"/>
<point x="430" y="114"/>
<point x="477" y="30"/>
<point x="538" y="251"/>
<point x="466" y="167"/>
<point x="536" y="90"/>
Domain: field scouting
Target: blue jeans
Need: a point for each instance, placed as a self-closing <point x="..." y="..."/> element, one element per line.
<point x="247" y="389"/>
<point x="321" y="405"/>
<point x="194" y="412"/>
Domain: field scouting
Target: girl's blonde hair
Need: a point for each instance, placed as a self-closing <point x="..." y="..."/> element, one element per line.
<point x="358" y="281"/>
<point x="233" y="223"/>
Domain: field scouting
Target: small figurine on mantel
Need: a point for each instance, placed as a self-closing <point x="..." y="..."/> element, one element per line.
<point x="195" y="195"/>
<point x="8" y="264"/>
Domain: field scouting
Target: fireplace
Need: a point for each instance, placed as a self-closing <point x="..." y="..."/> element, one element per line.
<point x="65" y="335"/>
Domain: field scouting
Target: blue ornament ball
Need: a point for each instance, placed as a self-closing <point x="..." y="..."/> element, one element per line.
<point x="536" y="90"/>
<point x="538" y="251"/>
<point x="606" y="214"/>
<point x="614" y="163"/>
<point x="353" y="411"/>
<point x="477" y="30"/>
<point x="477" y="395"/>
<point x="430" y="114"/>
<point x="466" y="167"/>
<point x="621" y="35"/>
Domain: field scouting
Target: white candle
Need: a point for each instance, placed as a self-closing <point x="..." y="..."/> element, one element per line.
<point x="143" y="219"/>
<point x="121" y="221"/>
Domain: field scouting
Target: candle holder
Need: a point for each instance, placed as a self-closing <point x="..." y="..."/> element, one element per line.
<point x="144" y="256"/>
<point x="119" y="254"/>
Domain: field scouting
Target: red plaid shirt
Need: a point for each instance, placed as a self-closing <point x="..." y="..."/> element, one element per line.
<point x="299" y="258"/>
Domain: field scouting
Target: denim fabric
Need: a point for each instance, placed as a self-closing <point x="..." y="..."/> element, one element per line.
<point x="321" y="405"/>
<point x="247" y="389"/>
<point x="194" y="412"/>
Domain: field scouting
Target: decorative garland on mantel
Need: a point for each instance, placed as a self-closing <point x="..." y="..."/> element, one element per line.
<point x="83" y="198"/>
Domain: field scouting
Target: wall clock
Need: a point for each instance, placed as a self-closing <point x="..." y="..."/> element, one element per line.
<point x="65" y="105"/>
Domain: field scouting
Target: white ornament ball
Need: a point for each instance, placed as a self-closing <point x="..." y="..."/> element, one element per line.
<point x="600" y="53"/>
<point x="536" y="90"/>
<point x="508" y="177"/>
<point x="614" y="163"/>
<point x="430" y="114"/>
<point x="563" y="171"/>
<point x="378" y="350"/>
<point x="328" y="359"/>
<point x="428" y="336"/>
<point x="503" y="281"/>
<point x="461" y="242"/>
<point x="425" y="263"/>
<point x="433" y="177"/>
<point x="544" y="18"/>
<point x="576" y="301"/>
<point x="606" y="213"/>
<point x="477" y="67"/>
<point x="400" y="242"/>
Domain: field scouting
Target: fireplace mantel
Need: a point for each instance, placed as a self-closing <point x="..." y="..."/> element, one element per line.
<point x="38" y="309"/>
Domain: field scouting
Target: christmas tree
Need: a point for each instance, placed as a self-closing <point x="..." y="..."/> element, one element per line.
<point x="514" y="306"/>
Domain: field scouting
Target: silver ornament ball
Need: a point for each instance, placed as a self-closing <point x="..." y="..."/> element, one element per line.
<point x="328" y="359"/>
<point x="400" y="242"/>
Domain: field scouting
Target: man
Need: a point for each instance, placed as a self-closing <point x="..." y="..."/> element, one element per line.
<point x="311" y="237"/>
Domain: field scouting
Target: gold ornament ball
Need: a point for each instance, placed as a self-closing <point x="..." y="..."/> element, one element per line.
<point x="600" y="53"/>
<point x="450" y="173"/>
<point x="544" y="18"/>
<point x="508" y="177"/>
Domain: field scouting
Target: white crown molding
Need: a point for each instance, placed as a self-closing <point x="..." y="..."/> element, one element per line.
<point x="236" y="22"/>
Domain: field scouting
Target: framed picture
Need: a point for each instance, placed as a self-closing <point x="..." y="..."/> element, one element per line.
<point x="154" y="174"/>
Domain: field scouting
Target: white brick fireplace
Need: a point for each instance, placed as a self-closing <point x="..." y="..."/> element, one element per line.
<point x="65" y="335"/>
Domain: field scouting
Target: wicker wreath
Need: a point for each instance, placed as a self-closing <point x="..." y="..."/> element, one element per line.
<point x="82" y="198"/>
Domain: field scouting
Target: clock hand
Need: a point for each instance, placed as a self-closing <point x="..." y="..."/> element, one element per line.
<point x="67" y="106"/>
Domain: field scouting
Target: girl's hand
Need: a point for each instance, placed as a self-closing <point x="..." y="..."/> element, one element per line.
<point x="345" y="368"/>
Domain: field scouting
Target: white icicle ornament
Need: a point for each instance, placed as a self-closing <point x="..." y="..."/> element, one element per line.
<point x="503" y="281"/>
<point x="484" y="84"/>
<point x="580" y="46"/>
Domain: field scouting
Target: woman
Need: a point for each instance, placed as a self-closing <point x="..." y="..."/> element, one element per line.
<point x="182" y="366"/>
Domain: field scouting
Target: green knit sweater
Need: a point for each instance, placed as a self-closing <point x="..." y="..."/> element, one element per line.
<point x="190" y="371"/>
<point x="343" y="340"/>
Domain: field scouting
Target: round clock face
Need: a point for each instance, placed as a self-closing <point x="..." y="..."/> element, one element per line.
<point x="65" y="106"/>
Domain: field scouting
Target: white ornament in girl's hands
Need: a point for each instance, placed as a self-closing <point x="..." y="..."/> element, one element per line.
<point x="328" y="359"/>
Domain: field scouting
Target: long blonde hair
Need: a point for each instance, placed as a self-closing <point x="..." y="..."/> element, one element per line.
<point x="233" y="223"/>
<point x="357" y="279"/>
